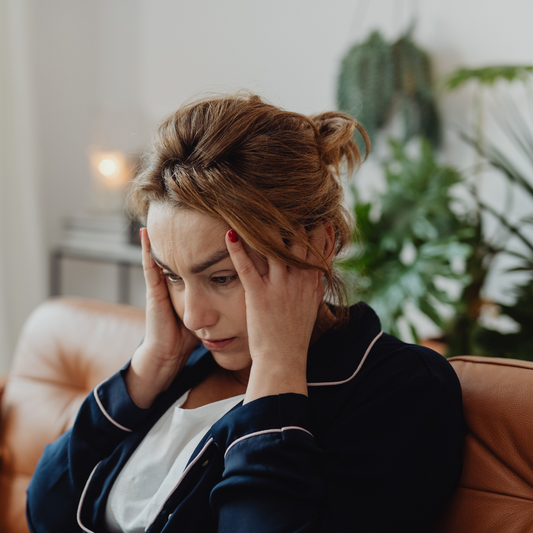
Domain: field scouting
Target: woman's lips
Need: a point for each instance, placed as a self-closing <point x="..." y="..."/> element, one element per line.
<point x="217" y="345"/>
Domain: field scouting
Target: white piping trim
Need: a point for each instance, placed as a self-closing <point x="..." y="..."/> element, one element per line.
<point x="185" y="472"/>
<point x="78" y="513"/>
<point x="322" y="384"/>
<point x="105" y="413"/>
<point x="264" y="432"/>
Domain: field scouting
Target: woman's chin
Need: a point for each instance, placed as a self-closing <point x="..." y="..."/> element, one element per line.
<point x="235" y="362"/>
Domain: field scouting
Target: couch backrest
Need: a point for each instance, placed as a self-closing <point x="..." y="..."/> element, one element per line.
<point x="495" y="493"/>
<point x="66" y="348"/>
<point x="70" y="345"/>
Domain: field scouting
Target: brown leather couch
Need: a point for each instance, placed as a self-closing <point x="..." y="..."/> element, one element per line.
<point x="66" y="348"/>
<point x="69" y="345"/>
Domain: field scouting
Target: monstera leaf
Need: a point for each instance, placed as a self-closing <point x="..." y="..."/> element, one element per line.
<point x="399" y="256"/>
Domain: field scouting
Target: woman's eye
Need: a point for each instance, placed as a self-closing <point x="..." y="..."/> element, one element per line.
<point x="171" y="277"/>
<point x="224" y="280"/>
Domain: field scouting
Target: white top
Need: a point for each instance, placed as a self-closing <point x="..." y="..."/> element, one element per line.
<point x="156" y="466"/>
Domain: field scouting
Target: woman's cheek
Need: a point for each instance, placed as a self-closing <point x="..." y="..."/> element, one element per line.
<point x="177" y="299"/>
<point x="237" y="307"/>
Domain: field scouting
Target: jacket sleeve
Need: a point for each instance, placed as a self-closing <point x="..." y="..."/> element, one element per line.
<point x="272" y="479"/>
<point x="107" y="416"/>
<point x="386" y="462"/>
<point x="399" y="460"/>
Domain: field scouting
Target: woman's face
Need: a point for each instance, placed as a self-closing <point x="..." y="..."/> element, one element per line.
<point x="203" y="285"/>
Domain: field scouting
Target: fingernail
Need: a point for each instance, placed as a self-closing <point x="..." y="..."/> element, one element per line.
<point x="232" y="234"/>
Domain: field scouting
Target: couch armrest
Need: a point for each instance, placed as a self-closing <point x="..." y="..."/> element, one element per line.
<point x="3" y="382"/>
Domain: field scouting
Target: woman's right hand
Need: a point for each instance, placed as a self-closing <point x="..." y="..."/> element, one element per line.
<point x="167" y="343"/>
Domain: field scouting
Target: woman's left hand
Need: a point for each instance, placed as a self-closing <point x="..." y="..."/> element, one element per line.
<point x="281" y="312"/>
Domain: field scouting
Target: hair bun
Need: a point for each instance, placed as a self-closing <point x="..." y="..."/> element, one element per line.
<point x="336" y="131"/>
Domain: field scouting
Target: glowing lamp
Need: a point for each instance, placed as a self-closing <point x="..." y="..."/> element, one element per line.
<point x="111" y="172"/>
<point x="110" y="168"/>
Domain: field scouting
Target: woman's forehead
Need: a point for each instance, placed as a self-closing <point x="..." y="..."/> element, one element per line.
<point x="184" y="238"/>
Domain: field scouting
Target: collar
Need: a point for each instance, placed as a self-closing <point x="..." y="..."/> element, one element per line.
<point x="338" y="355"/>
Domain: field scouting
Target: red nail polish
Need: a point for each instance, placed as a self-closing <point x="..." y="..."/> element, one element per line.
<point x="232" y="234"/>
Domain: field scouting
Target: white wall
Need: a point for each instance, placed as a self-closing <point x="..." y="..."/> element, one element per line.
<point x="286" y="50"/>
<point x="22" y="258"/>
<point x="106" y="71"/>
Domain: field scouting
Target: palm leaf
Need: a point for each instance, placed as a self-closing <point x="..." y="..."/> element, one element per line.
<point x="488" y="75"/>
<point x="498" y="160"/>
<point x="503" y="220"/>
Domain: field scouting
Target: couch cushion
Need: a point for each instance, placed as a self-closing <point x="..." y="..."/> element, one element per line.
<point x="496" y="488"/>
<point x="67" y="347"/>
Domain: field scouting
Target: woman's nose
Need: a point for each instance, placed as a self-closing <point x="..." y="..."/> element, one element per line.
<point x="198" y="312"/>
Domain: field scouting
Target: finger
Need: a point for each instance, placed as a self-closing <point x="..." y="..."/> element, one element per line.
<point x="317" y="246"/>
<point x="299" y="244"/>
<point x="152" y="272"/>
<point x="259" y="261"/>
<point x="277" y="269"/>
<point x="244" y="266"/>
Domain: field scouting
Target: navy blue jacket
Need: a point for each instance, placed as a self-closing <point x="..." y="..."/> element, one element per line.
<point x="376" y="447"/>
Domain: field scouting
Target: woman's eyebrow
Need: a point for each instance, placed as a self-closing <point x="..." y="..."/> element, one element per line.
<point x="159" y="262"/>
<point x="200" y="267"/>
<point x="213" y="260"/>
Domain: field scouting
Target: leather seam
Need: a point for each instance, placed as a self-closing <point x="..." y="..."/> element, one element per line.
<point x="501" y="460"/>
<point x="497" y="493"/>
<point x="50" y="382"/>
<point x="478" y="362"/>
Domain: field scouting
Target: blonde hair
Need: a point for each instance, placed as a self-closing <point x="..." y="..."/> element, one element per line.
<point x="258" y="168"/>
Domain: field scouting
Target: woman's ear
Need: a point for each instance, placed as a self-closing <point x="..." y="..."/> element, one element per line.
<point x="322" y="238"/>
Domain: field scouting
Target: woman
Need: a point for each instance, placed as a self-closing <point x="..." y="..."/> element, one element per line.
<point x="252" y="405"/>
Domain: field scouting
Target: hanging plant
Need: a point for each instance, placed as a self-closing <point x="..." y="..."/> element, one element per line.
<point x="378" y="78"/>
<point x="414" y="90"/>
<point x="366" y="84"/>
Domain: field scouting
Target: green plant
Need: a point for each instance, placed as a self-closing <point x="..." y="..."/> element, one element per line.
<point x="378" y="78"/>
<point x="494" y="343"/>
<point x="517" y="345"/>
<point x="366" y="83"/>
<point x="484" y="78"/>
<point x="464" y="334"/>
<point x="414" y="90"/>
<point x="415" y="217"/>
<point x="488" y="75"/>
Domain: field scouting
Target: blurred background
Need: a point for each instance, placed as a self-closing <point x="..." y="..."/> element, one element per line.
<point x="445" y="200"/>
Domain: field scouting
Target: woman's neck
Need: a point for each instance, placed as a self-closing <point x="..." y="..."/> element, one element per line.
<point x="324" y="321"/>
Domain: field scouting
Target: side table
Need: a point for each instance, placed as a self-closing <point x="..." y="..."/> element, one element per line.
<point x="124" y="256"/>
